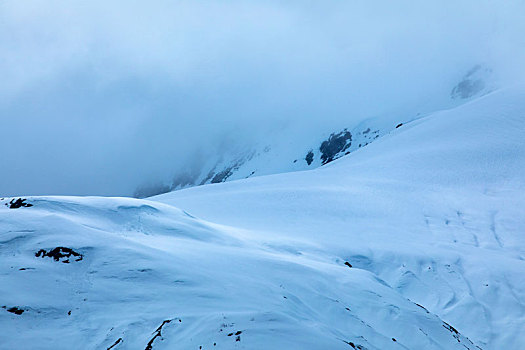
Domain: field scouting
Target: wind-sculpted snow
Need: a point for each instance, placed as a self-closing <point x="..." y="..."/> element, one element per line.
<point x="414" y="242"/>
<point x="435" y="209"/>
<point x="153" y="277"/>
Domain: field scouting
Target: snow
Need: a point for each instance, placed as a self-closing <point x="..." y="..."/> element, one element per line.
<point x="429" y="216"/>
<point x="296" y="146"/>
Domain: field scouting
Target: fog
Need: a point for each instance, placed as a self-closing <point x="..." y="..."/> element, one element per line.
<point x="98" y="97"/>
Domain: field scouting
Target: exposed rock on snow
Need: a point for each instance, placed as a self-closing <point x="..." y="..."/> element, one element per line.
<point x="14" y="310"/>
<point x="18" y="203"/>
<point x="335" y="146"/>
<point x="61" y="254"/>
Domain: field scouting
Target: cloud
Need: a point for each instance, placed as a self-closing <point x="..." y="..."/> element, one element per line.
<point x="98" y="97"/>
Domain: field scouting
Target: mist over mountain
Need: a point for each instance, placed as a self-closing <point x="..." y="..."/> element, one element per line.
<point x="262" y="175"/>
<point x="103" y="98"/>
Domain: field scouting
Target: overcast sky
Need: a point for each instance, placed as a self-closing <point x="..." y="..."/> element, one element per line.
<point x="97" y="97"/>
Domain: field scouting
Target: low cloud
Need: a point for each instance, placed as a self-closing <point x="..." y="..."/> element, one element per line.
<point x="101" y="97"/>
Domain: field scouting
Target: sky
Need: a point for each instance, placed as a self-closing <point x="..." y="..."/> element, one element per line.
<point x="99" y="97"/>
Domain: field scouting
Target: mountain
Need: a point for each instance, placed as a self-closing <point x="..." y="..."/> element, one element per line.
<point x="288" y="149"/>
<point x="412" y="242"/>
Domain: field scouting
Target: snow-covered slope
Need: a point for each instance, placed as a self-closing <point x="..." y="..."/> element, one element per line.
<point x="435" y="209"/>
<point x="148" y="276"/>
<point x="413" y="242"/>
<point x="292" y="148"/>
<point x="283" y="151"/>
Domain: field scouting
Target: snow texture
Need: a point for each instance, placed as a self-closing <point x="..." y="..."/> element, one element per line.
<point x="413" y="242"/>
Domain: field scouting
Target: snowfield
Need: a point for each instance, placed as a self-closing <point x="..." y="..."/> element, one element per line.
<point x="416" y="241"/>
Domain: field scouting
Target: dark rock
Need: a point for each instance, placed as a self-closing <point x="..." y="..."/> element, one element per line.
<point x="18" y="203"/>
<point x="450" y="328"/>
<point x="422" y="308"/>
<point x="222" y="176"/>
<point x="15" y="310"/>
<point x="59" y="253"/>
<point x="157" y="333"/>
<point x="336" y="143"/>
<point x="355" y="346"/>
<point x="309" y="157"/>
<point x="119" y="340"/>
<point x="208" y="177"/>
